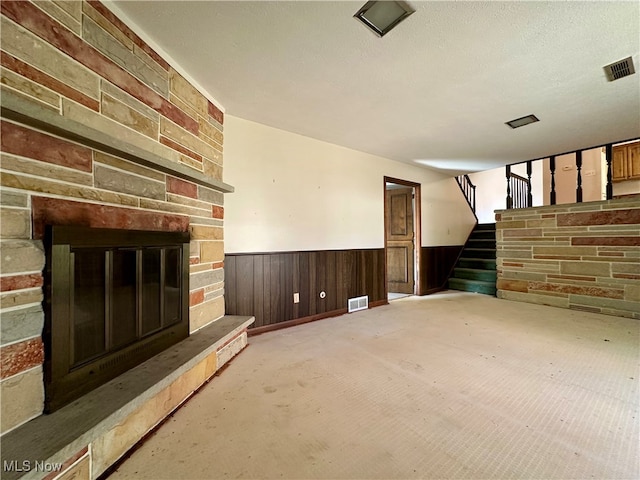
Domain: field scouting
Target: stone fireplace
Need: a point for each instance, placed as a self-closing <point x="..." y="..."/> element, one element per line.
<point x="111" y="162"/>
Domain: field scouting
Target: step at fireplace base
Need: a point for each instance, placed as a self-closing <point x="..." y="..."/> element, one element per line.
<point x="109" y="418"/>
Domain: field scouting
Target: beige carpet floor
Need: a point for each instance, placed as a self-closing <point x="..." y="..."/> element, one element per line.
<point x="453" y="385"/>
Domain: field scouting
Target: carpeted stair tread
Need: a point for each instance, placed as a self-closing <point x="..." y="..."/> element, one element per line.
<point x="476" y="267"/>
<point x="479" y="252"/>
<point x="478" y="286"/>
<point x="479" y="263"/>
<point x="485" y="275"/>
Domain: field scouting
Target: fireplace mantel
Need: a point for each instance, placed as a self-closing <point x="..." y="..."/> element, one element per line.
<point x="114" y="139"/>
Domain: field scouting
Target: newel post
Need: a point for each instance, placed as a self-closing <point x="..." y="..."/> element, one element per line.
<point x="579" y="179"/>
<point x="529" y="194"/>
<point x="609" y="157"/>
<point x="552" y="167"/>
<point x="509" y="199"/>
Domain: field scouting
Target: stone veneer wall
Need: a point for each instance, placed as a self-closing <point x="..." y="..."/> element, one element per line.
<point x="579" y="256"/>
<point x="77" y="59"/>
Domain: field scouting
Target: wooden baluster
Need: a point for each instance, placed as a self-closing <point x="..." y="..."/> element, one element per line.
<point x="522" y="194"/>
<point x="609" y="157"/>
<point x="509" y="200"/>
<point x="529" y="193"/>
<point x="579" y="178"/>
<point x="552" y="167"/>
<point x="473" y="189"/>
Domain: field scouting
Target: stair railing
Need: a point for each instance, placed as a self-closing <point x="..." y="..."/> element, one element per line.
<point x="518" y="191"/>
<point x="468" y="190"/>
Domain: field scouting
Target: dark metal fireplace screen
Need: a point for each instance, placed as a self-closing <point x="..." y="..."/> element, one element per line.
<point x="113" y="299"/>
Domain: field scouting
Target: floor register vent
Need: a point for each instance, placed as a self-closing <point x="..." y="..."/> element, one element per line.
<point x="358" y="303"/>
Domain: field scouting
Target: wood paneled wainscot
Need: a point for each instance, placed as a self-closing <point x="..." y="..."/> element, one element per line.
<point x="263" y="284"/>
<point x="436" y="266"/>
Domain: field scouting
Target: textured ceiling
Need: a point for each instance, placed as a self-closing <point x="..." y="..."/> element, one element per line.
<point x="436" y="90"/>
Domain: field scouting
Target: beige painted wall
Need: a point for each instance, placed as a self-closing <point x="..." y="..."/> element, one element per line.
<point x="298" y="193"/>
<point x="593" y="188"/>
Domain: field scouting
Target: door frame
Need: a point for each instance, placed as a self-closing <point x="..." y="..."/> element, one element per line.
<point x="417" y="228"/>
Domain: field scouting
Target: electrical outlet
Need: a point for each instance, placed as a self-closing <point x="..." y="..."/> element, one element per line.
<point x="296" y="298"/>
<point x="590" y="173"/>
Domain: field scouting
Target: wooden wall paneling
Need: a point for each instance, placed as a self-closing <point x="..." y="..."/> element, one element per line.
<point x="258" y="289"/>
<point x="341" y="288"/>
<point x="436" y="265"/>
<point x="321" y="281"/>
<point x="425" y="261"/>
<point x="304" y="309"/>
<point x="276" y="289"/>
<point x="424" y="270"/>
<point x="350" y="274"/>
<point x="361" y="273"/>
<point x="263" y="284"/>
<point x="331" y="281"/>
<point x="313" y="283"/>
<point x="377" y="274"/>
<point x="295" y="277"/>
<point x="434" y="268"/>
<point x="371" y="274"/>
<point x="453" y="253"/>
<point x="287" y="281"/>
<point x="230" y="284"/>
<point x="244" y="278"/>
<point x="367" y="269"/>
<point x="266" y="306"/>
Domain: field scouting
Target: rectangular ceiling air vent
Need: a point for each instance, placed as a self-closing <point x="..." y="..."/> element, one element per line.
<point x="619" y="69"/>
<point x="522" y="121"/>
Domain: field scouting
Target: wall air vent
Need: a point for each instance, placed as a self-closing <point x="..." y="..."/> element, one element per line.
<point x="619" y="69"/>
<point x="358" y="303"/>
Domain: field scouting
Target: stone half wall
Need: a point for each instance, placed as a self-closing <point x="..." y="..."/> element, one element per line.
<point x="81" y="66"/>
<point x="580" y="256"/>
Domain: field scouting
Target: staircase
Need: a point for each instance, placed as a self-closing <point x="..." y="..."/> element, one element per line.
<point x="476" y="268"/>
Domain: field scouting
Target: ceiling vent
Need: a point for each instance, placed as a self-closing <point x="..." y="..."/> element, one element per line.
<point x="619" y="69"/>
<point x="382" y="16"/>
<point x="522" y="121"/>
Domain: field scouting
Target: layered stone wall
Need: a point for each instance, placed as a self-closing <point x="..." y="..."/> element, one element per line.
<point x="80" y="62"/>
<point x="580" y="256"/>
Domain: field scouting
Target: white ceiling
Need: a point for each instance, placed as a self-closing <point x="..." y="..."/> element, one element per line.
<point x="436" y="90"/>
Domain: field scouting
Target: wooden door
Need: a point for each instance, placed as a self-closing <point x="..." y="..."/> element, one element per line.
<point x="400" y="240"/>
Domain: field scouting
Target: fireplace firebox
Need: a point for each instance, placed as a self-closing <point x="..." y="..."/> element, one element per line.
<point x="113" y="299"/>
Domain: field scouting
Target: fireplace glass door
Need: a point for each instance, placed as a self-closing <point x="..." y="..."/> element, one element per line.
<point x="114" y="298"/>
